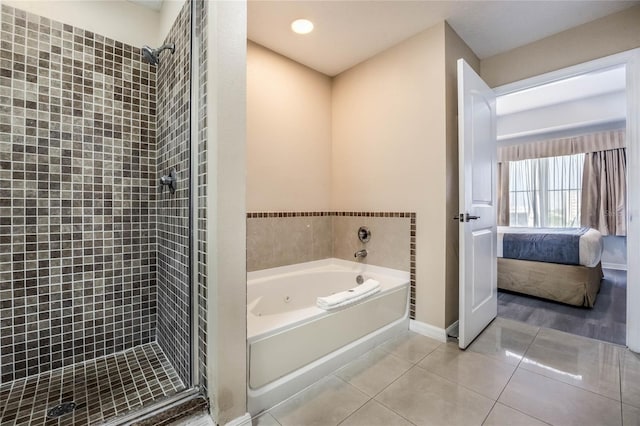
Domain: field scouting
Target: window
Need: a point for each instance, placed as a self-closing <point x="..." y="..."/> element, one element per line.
<point x="546" y="192"/>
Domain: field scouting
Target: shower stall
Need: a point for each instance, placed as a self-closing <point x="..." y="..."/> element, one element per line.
<point x="102" y="153"/>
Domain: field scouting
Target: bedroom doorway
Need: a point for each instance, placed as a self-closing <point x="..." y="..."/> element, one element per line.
<point x="546" y="127"/>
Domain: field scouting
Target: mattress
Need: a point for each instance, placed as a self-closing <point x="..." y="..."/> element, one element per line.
<point x="591" y="244"/>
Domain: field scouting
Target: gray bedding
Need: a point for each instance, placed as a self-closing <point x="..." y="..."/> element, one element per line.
<point x="553" y="245"/>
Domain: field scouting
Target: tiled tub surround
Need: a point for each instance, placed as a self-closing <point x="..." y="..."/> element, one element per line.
<point x="102" y="388"/>
<point x="77" y="196"/>
<point x="274" y="240"/>
<point x="286" y="238"/>
<point x="173" y="139"/>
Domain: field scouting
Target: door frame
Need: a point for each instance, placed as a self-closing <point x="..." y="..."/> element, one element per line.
<point x="631" y="60"/>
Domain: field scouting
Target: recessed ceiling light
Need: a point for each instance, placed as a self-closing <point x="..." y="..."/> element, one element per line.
<point x="302" y="26"/>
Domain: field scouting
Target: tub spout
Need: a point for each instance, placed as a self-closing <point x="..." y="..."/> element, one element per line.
<point x="360" y="253"/>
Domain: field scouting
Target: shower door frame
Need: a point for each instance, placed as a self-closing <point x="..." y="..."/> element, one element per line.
<point x="194" y="108"/>
<point x="192" y="389"/>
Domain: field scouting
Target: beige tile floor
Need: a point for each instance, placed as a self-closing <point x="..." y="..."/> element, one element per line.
<point x="513" y="374"/>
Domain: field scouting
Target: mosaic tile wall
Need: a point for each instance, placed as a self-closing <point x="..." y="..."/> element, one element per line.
<point x="173" y="136"/>
<point x="285" y="238"/>
<point x="201" y="34"/>
<point x="77" y="195"/>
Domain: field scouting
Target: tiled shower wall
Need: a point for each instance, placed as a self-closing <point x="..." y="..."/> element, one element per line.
<point x="285" y="238"/>
<point x="173" y="136"/>
<point x="77" y="195"/>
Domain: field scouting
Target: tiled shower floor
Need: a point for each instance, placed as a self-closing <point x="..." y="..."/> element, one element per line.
<point x="102" y="388"/>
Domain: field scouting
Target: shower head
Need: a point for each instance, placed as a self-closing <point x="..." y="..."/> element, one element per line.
<point x="149" y="55"/>
<point x="152" y="55"/>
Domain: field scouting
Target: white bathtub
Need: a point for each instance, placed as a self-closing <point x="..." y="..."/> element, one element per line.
<point x="292" y="343"/>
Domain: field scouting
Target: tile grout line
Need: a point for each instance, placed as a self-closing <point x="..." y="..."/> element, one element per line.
<point x="132" y="365"/>
<point x="359" y="390"/>
<point x="511" y="377"/>
<point x="372" y="398"/>
<point x="621" y="356"/>
<point x="458" y="384"/>
<point x="414" y="364"/>
<point x="4" y="406"/>
<point x="555" y="380"/>
<point x="333" y="374"/>
<point x="386" y="387"/>
<point x="570" y="384"/>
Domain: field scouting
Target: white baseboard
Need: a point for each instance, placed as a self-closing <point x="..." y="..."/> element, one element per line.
<point x="452" y="330"/>
<point x="440" y="334"/>
<point x="616" y="266"/>
<point x="241" y="421"/>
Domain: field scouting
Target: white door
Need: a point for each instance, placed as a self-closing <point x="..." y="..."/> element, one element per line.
<point x="477" y="173"/>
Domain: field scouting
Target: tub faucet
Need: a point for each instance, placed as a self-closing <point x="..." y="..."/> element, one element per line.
<point x="360" y="253"/>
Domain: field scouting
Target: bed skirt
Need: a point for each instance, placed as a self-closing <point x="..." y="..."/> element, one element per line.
<point x="571" y="284"/>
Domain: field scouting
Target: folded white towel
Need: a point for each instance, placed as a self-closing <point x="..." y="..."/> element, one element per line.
<point x="364" y="290"/>
<point x="351" y="301"/>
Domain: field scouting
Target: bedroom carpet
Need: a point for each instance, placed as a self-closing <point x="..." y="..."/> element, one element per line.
<point x="605" y="321"/>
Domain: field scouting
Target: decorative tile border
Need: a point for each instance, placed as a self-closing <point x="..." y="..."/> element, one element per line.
<point x="412" y="268"/>
<point x="287" y="214"/>
<point x="253" y="215"/>
<point x="412" y="240"/>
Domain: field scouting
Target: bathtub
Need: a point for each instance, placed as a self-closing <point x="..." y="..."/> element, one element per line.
<point x="292" y="343"/>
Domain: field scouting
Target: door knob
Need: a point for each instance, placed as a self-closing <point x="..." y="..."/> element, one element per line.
<point x="462" y="217"/>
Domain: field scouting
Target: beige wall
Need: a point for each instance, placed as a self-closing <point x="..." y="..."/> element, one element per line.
<point x="117" y="19"/>
<point x="167" y="16"/>
<point x="455" y="48"/>
<point x="389" y="151"/>
<point x="602" y="37"/>
<point x="288" y="134"/>
<point x="120" y="20"/>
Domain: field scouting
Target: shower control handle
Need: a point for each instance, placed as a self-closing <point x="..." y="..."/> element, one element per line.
<point x="169" y="180"/>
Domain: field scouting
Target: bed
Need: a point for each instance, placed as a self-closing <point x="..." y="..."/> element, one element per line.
<point x="557" y="264"/>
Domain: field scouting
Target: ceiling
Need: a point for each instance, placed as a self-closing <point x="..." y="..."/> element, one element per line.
<point x="348" y="32"/>
<point x="583" y="86"/>
<point x="151" y="4"/>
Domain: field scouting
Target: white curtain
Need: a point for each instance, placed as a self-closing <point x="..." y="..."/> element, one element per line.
<point x="546" y="192"/>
